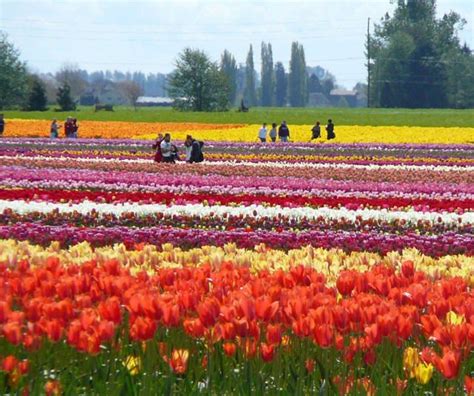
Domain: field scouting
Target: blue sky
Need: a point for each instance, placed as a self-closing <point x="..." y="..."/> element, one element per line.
<point x="147" y="35"/>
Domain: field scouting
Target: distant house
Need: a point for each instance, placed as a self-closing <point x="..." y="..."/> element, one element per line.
<point x="343" y="97"/>
<point x="318" y="99"/>
<point x="154" y="101"/>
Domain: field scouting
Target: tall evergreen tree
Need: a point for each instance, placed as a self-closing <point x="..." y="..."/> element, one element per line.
<point x="298" y="77"/>
<point x="268" y="80"/>
<point x="37" y="100"/>
<point x="229" y="68"/>
<point x="64" y="98"/>
<point x="250" y="95"/>
<point x="281" y="85"/>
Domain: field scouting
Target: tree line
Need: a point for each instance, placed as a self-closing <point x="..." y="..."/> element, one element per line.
<point x="70" y="85"/>
<point x="199" y="84"/>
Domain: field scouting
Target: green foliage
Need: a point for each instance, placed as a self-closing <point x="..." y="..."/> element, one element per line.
<point x="13" y="76"/>
<point x="229" y="68"/>
<point x="197" y="83"/>
<point x="418" y="61"/>
<point x="64" y="99"/>
<point x="294" y="116"/>
<point x="281" y="85"/>
<point x="268" y="81"/>
<point x="37" y="99"/>
<point x="250" y="96"/>
<point x="298" y="78"/>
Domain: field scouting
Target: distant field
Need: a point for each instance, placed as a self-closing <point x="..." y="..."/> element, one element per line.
<point x="359" y="116"/>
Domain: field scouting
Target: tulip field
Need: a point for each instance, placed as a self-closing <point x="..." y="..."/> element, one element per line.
<point x="290" y="269"/>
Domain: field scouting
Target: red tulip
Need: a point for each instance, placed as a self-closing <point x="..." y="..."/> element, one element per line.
<point x="267" y="352"/>
<point x="448" y="365"/>
<point x="346" y="282"/>
<point x="9" y="363"/>
<point x="142" y="329"/>
<point x="274" y="334"/>
<point x="12" y="332"/>
<point x="469" y="385"/>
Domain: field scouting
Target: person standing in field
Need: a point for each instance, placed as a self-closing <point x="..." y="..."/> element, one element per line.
<point x="156" y="146"/>
<point x="330" y="130"/>
<point x="316" y="131"/>
<point x="283" y="132"/>
<point x="273" y="132"/>
<point x="54" y="132"/>
<point x="75" y="128"/>
<point x="196" y="154"/>
<point x="262" y="133"/>
<point x="2" y="125"/>
<point x="166" y="149"/>
<point x="68" y="127"/>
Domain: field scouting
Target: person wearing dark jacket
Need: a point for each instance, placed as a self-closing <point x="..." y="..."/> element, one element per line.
<point x="283" y="132"/>
<point x="316" y="131"/>
<point x="193" y="150"/>
<point x="330" y="130"/>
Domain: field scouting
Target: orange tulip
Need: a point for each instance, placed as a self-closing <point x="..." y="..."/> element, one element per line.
<point x="52" y="388"/>
<point x="229" y="348"/>
<point x="179" y="360"/>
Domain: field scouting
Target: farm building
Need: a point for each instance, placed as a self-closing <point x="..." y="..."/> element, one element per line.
<point x="154" y="101"/>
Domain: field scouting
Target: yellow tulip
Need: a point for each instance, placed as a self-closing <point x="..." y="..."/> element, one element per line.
<point x="410" y="361"/>
<point x="423" y="373"/>
<point x="453" y="318"/>
<point x="133" y="364"/>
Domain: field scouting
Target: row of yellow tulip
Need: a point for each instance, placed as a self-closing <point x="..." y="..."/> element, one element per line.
<point x="245" y="133"/>
<point x="149" y="258"/>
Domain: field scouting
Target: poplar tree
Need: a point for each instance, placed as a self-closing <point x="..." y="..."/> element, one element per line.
<point x="267" y="76"/>
<point x="250" y="95"/>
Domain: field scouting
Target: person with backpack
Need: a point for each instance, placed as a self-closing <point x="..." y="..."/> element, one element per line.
<point x="330" y="130"/>
<point x="283" y="132"/>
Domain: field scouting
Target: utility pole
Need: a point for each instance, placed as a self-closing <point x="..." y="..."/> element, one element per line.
<point x="368" y="62"/>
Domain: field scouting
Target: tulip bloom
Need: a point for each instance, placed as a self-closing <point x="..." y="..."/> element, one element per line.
<point x="448" y="365"/>
<point x="179" y="361"/>
<point x="423" y="373"/>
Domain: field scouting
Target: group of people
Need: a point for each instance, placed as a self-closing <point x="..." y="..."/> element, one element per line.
<point x="283" y="132"/>
<point x="166" y="151"/>
<point x="70" y="128"/>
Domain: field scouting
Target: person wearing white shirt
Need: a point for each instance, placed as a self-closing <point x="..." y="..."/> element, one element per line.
<point x="262" y="133"/>
<point x="165" y="147"/>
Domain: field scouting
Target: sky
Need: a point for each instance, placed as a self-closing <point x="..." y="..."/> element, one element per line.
<point x="147" y="35"/>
